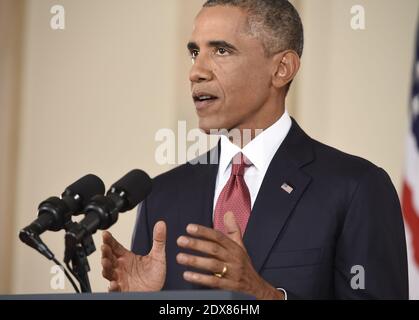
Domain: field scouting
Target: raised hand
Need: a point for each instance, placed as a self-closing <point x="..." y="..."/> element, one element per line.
<point x="127" y="271"/>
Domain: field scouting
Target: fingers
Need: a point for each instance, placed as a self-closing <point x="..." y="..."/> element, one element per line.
<point x="210" y="234"/>
<point x="109" y="263"/>
<point x="233" y="229"/>
<point x="110" y="250"/>
<point x="108" y="254"/>
<point x="116" y="247"/>
<point x="114" y="287"/>
<point x="210" y="248"/>
<point x="208" y="264"/>
<point x="108" y="270"/>
<point x="159" y="239"/>
<point x="209" y="281"/>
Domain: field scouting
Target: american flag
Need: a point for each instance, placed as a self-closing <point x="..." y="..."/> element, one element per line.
<point x="410" y="195"/>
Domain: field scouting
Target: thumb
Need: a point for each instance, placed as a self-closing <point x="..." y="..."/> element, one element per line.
<point x="159" y="239"/>
<point x="232" y="228"/>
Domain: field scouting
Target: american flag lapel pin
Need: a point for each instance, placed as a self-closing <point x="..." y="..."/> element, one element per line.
<point x="287" y="188"/>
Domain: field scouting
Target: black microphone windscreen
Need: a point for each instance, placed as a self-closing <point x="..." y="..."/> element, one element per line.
<point x="86" y="187"/>
<point x="136" y="185"/>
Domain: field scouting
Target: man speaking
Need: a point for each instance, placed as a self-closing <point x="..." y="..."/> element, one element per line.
<point x="281" y="216"/>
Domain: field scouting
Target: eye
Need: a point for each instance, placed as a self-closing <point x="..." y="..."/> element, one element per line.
<point x="222" y="51"/>
<point x="194" y="53"/>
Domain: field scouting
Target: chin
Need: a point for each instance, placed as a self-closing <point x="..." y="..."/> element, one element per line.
<point x="207" y="125"/>
<point x="205" y="128"/>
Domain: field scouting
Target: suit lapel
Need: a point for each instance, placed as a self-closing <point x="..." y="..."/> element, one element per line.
<point x="275" y="203"/>
<point x="197" y="196"/>
<point x="195" y="205"/>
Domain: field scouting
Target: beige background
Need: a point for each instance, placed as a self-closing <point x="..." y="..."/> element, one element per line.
<point x="90" y="98"/>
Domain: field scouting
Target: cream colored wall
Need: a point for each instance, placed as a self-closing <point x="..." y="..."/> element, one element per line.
<point x="10" y="41"/>
<point x="94" y="95"/>
<point x="354" y="86"/>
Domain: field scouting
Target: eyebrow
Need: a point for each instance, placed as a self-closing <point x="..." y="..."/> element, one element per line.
<point x="213" y="44"/>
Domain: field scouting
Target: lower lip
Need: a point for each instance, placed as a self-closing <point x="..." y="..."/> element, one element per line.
<point x="201" y="105"/>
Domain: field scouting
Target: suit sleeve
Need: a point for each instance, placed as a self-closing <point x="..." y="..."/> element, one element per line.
<point x="371" y="258"/>
<point x="141" y="241"/>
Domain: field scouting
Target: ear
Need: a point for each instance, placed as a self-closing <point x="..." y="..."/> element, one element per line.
<point x="286" y="66"/>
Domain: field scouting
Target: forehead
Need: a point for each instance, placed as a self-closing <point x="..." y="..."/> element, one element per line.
<point x="221" y="23"/>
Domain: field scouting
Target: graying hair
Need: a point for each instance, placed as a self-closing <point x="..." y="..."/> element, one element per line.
<point x="275" y="22"/>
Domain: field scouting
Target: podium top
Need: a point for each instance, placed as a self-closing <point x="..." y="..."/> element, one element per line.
<point x="161" y="295"/>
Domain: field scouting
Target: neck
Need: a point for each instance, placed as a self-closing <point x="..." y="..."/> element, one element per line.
<point x="244" y="134"/>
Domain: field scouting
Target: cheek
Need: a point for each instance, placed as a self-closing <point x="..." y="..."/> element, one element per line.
<point x="245" y="86"/>
<point x="244" y="74"/>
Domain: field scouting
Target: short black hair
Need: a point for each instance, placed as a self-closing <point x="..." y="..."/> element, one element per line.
<point x="275" y="22"/>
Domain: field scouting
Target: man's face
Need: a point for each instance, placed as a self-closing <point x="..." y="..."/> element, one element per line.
<point x="231" y="68"/>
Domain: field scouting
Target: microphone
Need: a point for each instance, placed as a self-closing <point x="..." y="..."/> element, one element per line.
<point x="54" y="213"/>
<point x="102" y="211"/>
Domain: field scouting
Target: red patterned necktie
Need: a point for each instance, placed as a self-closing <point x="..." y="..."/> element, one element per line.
<point x="234" y="197"/>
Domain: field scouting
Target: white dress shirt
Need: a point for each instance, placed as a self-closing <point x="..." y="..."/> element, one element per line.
<point x="259" y="151"/>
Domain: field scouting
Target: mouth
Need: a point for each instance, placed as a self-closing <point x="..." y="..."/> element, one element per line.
<point x="203" y="100"/>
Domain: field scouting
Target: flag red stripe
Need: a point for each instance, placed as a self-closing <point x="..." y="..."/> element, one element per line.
<point x="411" y="218"/>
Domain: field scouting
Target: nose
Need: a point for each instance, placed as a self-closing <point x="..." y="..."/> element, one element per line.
<point x="200" y="70"/>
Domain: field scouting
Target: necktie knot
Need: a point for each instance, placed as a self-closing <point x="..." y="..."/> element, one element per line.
<point x="239" y="164"/>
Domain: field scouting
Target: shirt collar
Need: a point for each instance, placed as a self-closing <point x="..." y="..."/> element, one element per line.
<point x="261" y="149"/>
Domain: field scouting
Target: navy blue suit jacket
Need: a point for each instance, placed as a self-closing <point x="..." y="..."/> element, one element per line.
<point x="343" y="212"/>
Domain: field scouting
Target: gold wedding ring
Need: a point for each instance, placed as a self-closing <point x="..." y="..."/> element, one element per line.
<point x="222" y="274"/>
